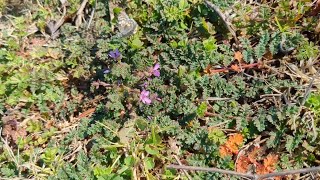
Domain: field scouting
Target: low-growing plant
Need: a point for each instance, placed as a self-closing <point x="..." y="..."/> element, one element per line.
<point x="90" y="103"/>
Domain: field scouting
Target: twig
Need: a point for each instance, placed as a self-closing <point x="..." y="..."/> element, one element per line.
<point x="100" y="83"/>
<point x="306" y="94"/>
<point x="82" y="6"/>
<point x="227" y="69"/>
<point x="92" y="14"/>
<point x="224" y="19"/>
<point x="107" y="127"/>
<point x="87" y="113"/>
<point x="313" y="126"/>
<point x="288" y="172"/>
<point x="253" y="176"/>
<point x="311" y="173"/>
<point x="61" y="21"/>
<point x="219" y="124"/>
<point x="8" y="148"/>
<point x="80" y="12"/>
<point x="40" y="5"/>
<point x="74" y="152"/>
<point x="215" y="99"/>
<point x="304" y="176"/>
<point x="270" y="95"/>
<point x="65" y="130"/>
<point x="111" y="6"/>
<point x="315" y="133"/>
<point x="185" y="172"/>
<point x="194" y="168"/>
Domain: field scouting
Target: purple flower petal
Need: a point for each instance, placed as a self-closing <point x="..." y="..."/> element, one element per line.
<point x="146" y="100"/>
<point x="114" y="54"/>
<point x="156" y="66"/>
<point x="106" y="71"/>
<point x="156" y="73"/>
<point x="145" y="93"/>
<point x="155" y="70"/>
<point x="144" y="97"/>
<point x="117" y="53"/>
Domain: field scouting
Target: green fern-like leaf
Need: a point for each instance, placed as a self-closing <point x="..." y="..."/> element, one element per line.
<point x="260" y="49"/>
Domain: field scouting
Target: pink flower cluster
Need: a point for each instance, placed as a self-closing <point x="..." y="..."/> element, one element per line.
<point x="145" y="95"/>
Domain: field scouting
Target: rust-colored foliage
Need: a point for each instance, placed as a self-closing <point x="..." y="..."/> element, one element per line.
<point x="238" y="56"/>
<point x="270" y="162"/>
<point x="261" y="169"/>
<point x="268" y="55"/>
<point x="268" y="165"/>
<point x="235" y="67"/>
<point x="236" y="139"/>
<point x="254" y="153"/>
<point x="243" y="164"/>
<point x="231" y="146"/>
<point x="87" y="113"/>
<point x="224" y="151"/>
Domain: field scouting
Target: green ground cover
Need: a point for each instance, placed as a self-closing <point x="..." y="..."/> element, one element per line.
<point x="87" y="92"/>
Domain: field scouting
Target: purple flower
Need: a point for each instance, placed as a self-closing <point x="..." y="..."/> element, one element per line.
<point x="106" y="71"/>
<point x="115" y="54"/>
<point x="155" y="70"/>
<point x="144" y="97"/>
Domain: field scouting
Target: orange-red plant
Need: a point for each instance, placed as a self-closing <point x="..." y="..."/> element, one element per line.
<point x="268" y="165"/>
<point x="231" y="146"/>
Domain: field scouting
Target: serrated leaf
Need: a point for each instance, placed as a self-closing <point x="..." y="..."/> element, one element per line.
<point x="182" y="71"/>
<point x="183" y="4"/>
<point x="7" y="172"/>
<point x="100" y="170"/>
<point x="136" y="43"/>
<point x="259" y="122"/>
<point x="210" y="44"/>
<point x="271" y="142"/>
<point x="293" y="142"/>
<point x="202" y="109"/>
<point x="217" y="135"/>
